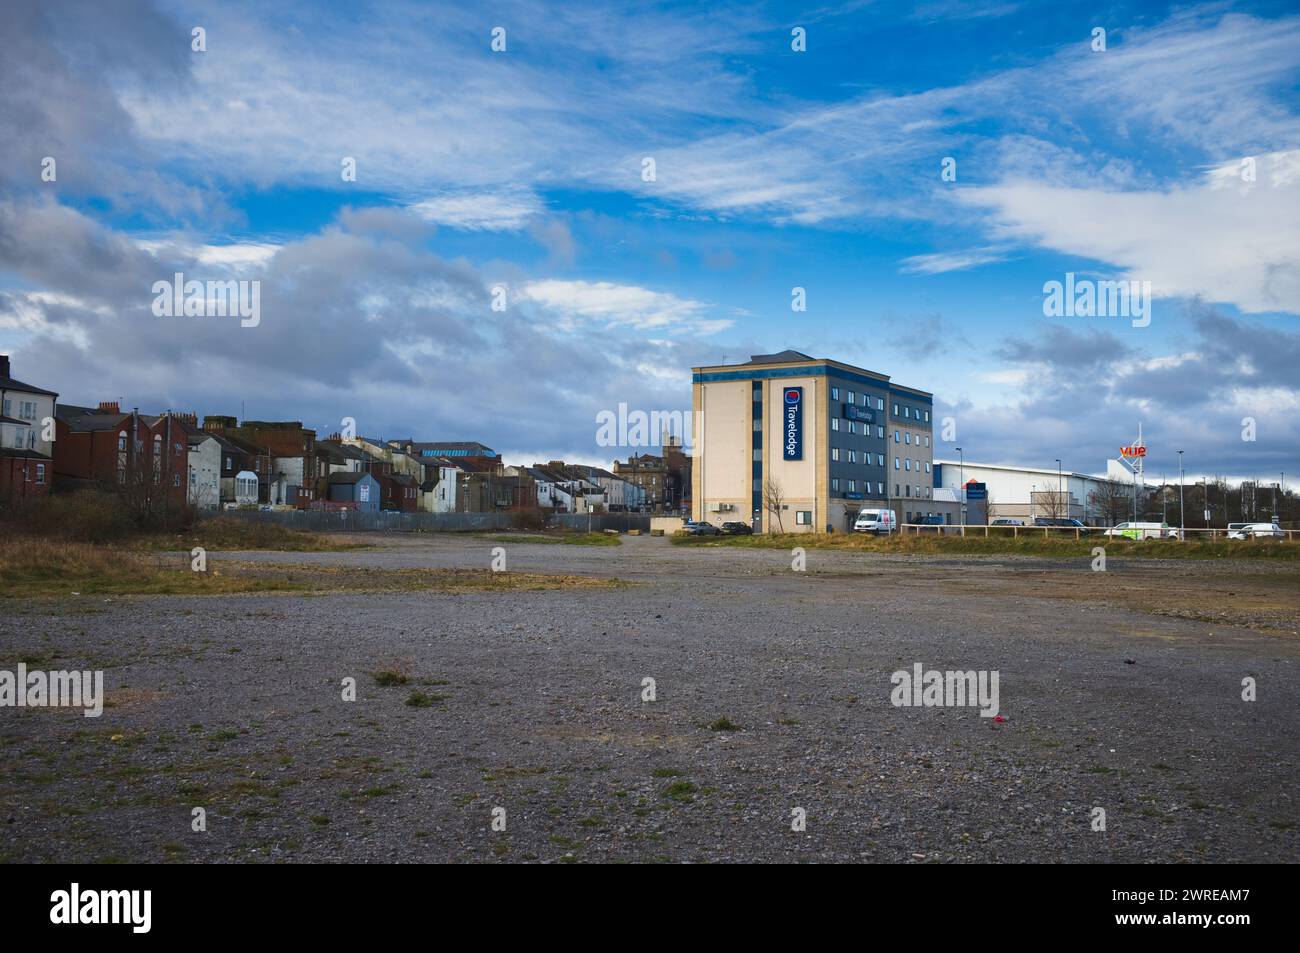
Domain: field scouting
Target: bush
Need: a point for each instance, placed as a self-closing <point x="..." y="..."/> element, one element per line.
<point x="94" y="516"/>
<point x="87" y="516"/>
<point x="531" y="519"/>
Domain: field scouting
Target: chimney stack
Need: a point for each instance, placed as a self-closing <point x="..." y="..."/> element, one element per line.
<point x="109" y="407"/>
<point x="4" y="366"/>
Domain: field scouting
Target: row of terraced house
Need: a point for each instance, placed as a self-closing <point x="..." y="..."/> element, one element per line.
<point x="220" y="462"/>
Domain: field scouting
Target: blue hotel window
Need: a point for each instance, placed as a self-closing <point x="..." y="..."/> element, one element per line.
<point x="835" y="393"/>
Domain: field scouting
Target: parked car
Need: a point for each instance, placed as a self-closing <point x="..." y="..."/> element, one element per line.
<point x="1142" y="531"/>
<point x="736" y="528"/>
<point x="1256" y="531"/>
<point x="701" y="528"/>
<point x="1058" y="522"/>
<point x="1007" y="521"/>
<point x="874" y="521"/>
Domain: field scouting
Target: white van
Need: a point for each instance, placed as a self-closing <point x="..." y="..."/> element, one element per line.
<point x="875" y="521"/>
<point x="1255" y="531"/>
<point x="1142" y="531"/>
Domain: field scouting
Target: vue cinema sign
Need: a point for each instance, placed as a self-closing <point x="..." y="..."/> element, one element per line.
<point x="792" y="424"/>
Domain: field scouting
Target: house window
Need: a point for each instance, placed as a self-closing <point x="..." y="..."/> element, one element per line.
<point x="895" y="436"/>
<point x="927" y="440"/>
<point x="853" y="486"/>
<point x="853" y="427"/>
<point x="896" y="464"/>
<point x="853" y="456"/>
<point x="907" y="438"/>
<point x="835" y="453"/>
<point x="895" y="410"/>
<point x="40" y="473"/>
<point x="907" y="412"/>
<point x="20" y="437"/>
<point x="835" y="393"/>
<point x="880" y="431"/>
<point x="927" y="416"/>
<point x="176" y="479"/>
<point x="880" y="488"/>
<point x="803" y="517"/>
<point x="851" y="396"/>
<point x="907" y="464"/>
<point x="880" y="403"/>
<point x="927" y="466"/>
<point x="835" y="484"/>
<point x="835" y="423"/>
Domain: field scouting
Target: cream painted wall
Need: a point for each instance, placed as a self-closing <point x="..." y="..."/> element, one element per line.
<point x="723" y="451"/>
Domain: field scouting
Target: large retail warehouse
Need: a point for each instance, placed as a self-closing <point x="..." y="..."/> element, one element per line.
<point x="829" y="438"/>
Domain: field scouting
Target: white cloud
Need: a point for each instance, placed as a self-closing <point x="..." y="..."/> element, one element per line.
<point x="940" y="262"/>
<point x="612" y="305"/>
<point x="1238" y="246"/>
<point x="480" y="211"/>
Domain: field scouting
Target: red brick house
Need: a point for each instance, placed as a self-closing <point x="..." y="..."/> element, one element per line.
<point x="146" y="457"/>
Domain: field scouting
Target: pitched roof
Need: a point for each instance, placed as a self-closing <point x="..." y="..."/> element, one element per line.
<point x="9" y="383"/>
<point x="349" y="477"/>
<point x="22" y="454"/>
<point x="781" y="357"/>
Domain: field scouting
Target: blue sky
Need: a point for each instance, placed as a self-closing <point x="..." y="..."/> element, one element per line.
<point x="775" y="169"/>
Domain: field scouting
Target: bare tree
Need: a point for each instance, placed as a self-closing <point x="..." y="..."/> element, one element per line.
<point x="774" y="500"/>
<point x="1112" y="500"/>
<point x="1052" y="504"/>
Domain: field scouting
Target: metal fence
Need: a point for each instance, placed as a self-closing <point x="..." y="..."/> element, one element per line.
<point x="1076" y="532"/>
<point x="356" y="521"/>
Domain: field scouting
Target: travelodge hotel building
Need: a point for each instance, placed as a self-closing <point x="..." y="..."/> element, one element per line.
<point x="833" y="437"/>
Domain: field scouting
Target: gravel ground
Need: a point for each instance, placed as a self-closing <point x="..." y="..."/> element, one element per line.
<point x="233" y="703"/>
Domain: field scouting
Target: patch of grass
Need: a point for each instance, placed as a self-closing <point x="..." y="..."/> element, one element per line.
<point x="724" y="724"/>
<point x="562" y="539"/>
<point x="666" y="773"/>
<point x="1029" y="542"/>
<point x="418" y="699"/>
<point x="390" y="675"/>
<point x="680" y="791"/>
<point x="36" y="567"/>
<point x="239" y="534"/>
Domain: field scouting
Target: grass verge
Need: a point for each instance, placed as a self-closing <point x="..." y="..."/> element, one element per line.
<point x="931" y="544"/>
<point x="234" y="534"/>
<point x="569" y="539"/>
<point x="33" y="567"/>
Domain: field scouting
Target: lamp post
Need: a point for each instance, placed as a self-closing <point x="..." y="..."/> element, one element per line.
<point x="1060" y="490"/>
<point x="961" y="484"/>
<point x="1182" y="519"/>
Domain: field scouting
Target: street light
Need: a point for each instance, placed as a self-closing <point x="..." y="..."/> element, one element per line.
<point x="1182" y="520"/>
<point x="1060" y="490"/>
<point x="961" y="484"/>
